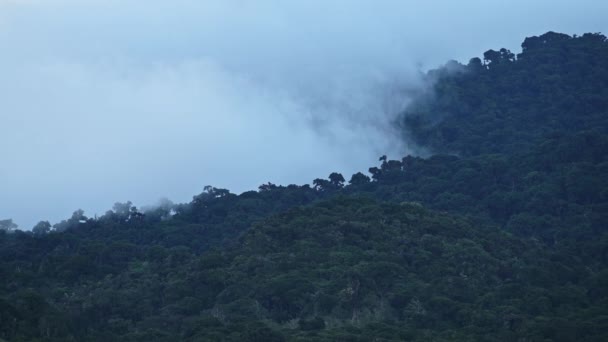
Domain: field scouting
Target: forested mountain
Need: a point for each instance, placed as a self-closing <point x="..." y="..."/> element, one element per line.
<point x="498" y="235"/>
<point x="508" y="103"/>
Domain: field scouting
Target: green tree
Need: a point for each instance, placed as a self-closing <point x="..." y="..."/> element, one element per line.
<point x="359" y="179"/>
<point x="8" y="225"/>
<point x="41" y="228"/>
<point x="336" y="179"/>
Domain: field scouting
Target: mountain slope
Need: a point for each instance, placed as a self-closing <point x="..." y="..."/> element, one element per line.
<point x="499" y="235"/>
<point x="343" y="269"/>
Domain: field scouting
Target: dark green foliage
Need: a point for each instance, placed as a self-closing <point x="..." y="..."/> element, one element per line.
<point x="7" y="225"/>
<point x="503" y="240"/>
<point x="557" y="84"/>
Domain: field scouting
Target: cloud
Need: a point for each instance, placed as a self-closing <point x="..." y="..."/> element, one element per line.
<point x="104" y="101"/>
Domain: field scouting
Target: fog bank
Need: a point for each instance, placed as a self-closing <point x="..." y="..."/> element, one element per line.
<point x="105" y="101"/>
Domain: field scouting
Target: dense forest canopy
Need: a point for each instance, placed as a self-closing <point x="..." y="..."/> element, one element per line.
<point x="509" y="103"/>
<point x="499" y="234"/>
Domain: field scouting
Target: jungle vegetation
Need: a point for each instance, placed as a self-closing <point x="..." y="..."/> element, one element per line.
<point x="498" y="233"/>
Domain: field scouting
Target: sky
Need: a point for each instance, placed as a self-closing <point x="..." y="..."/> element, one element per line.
<point x="108" y="101"/>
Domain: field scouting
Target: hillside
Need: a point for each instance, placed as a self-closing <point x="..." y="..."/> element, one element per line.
<point x="508" y="103"/>
<point x="498" y="235"/>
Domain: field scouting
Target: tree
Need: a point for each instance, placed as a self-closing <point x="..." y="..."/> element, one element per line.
<point x="73" y="222"/>
<point x="475" y="64"/>
<point x="493" y="57"/>
<point x="320" y="184"/>
<point x="122" y="209"/>
<point x="267" y="187"/>
<point x="78" y="216"/>
<point x="125" y="212"/>
<point x="550" y="37"/>
<point x="375" y="172"/>
<point x="210" y="192"/>
<point x="359" y="179"/>
<point x="8" y="225"/>
<point x="41" y="228"/>
<point x="336" y="179"/>
<point x="391" y="165"/>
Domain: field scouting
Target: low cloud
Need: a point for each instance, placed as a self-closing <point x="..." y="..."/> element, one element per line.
<point x="114" y="101"/>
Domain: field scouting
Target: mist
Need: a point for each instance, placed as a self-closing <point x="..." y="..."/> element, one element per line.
<point x="106" y="101"/>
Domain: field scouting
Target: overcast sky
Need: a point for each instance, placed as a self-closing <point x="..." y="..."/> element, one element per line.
<point x="105" y="101"/>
